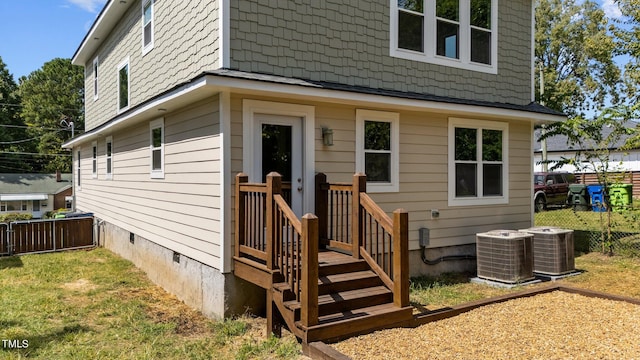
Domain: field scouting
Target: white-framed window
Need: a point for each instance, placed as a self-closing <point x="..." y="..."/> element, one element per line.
<point x="108" y="150"/>
<point x="147" y="25"/>
<point x="23" y="205"/>
<point x="94" y="159"/>
<point x="456" y="33"/>
<point x="123" y="85"/>
<point x="78" y="167"/>
<point x="377" y="149"/>
<point x="156" y="146"/>
<point x="478" y="162"/>
<point x="3" y="206"/>
<point x="95" y="78"/>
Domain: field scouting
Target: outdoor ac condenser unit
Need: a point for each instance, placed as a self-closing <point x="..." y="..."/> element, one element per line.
<point x="553" y="251"/>
<point x="505" y="256"/>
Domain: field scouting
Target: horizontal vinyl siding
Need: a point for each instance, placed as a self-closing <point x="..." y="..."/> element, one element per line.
<point x="182" y="211"/>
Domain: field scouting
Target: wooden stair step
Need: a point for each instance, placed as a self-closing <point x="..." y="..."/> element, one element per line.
<point x="340" y="267"/>
<point x="347" y="281"/>
<point x="347" y="300"/>
<point x="339" y="326"/>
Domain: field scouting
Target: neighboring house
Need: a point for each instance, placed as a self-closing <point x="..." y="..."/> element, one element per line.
<point x="35" y="193"/>
<point x="558" y="148"/>
<point x="435" y="106"/>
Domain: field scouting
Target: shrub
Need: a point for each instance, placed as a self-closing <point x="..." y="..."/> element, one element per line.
<point x="5" y="218"/>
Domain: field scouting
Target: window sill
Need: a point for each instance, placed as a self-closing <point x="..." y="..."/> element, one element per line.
<point x="478" y="201"/>
<point x="157" y="174"/>
<point x="382" y="187"/>
<point x="444" y="61"/>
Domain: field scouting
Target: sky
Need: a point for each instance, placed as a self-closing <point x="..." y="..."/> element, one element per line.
<point x="37" y="31"/>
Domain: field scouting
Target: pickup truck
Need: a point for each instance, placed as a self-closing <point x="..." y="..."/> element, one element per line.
<point x="551" y="188"/>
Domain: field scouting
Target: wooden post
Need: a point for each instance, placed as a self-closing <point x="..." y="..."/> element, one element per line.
<point x="400" y="258"/>
<point x="240" y="213"/>
<point x="274" y="186"/>
<point x="359" y="185"/>
<point x="309" y="293"/>
<point x="322" y="208"/>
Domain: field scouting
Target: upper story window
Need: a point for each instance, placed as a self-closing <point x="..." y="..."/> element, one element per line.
<point x="123" y="86"/>
<point x="478" y="162"/>
<point x="377" y="149"/>
<point x="156" y="138"/>
<point x="457" y="33"/>
<point x="147" y="25"/>
<point x="95" y="79"/>
<point x="109" y="156"/>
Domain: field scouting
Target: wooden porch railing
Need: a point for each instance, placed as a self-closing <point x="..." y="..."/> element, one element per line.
<point x="267" y="230"/>
<point x="380" y="240"/>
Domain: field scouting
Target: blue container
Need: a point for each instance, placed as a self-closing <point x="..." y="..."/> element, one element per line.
<point x="597" y="198"/>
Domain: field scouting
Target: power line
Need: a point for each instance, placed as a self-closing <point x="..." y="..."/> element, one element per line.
<point x="32" y="127"/>
<point x="41" y="107"/>
<point x="23" y="141"/>
<point x="28" y="153"/>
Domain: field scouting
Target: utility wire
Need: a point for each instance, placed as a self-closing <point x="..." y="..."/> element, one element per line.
<point x="25" y="140"/>
<point x="41" y="107"/>
<point x="28" y="153"/>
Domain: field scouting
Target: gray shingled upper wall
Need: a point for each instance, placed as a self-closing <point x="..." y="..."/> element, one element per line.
<point x="347" y="41"/>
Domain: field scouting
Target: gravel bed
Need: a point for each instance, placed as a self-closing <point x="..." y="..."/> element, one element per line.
<point x="555" y="325"/>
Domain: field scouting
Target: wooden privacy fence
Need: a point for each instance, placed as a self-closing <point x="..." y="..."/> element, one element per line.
<point x="21" y="237"/>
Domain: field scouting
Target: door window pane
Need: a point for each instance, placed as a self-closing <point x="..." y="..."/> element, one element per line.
<point x="276" y="150"/>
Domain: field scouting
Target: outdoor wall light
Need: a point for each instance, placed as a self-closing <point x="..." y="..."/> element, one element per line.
<point x="327" y="136"/>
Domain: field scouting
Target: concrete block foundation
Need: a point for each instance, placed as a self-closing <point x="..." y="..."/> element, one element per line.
<point x="200" y="286"/>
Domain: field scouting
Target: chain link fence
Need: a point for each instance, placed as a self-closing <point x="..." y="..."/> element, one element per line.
<point x="612" y="231"/>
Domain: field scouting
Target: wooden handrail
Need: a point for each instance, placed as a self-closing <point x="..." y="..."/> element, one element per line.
<point x="372" y="208"/>
<point x="288" y="213"/>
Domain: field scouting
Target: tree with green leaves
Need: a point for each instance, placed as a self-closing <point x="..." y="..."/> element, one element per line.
<point x="629" y="44"/>
<point x="13" y="137"/>
<point x="575" y="49"/>
<point x="49" y="95"/>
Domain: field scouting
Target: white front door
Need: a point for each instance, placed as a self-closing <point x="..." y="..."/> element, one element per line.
<point x="278" y="147"/>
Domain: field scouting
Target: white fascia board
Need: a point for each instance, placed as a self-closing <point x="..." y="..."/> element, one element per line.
<point x="172" y="100"/>
<point x="106" y="21"/>
<point x="209" y="85"/>
<point x="354" y="98"/>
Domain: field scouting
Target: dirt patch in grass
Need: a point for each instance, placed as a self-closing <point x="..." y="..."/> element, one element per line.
<point x="81" y="285"/>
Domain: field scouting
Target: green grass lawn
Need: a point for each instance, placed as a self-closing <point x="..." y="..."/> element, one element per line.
<point x="95" y="305"/>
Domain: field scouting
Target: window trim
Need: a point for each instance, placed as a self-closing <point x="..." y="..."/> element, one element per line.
<point x="78" y="168"/>
<point x="149" y="46"/>
<point x="479" y="125"/>
<point x="94" y="159"/>
<point x="381" y="116"/>
<point x="96" y="77"/>
<point x="430" y="38"/>
<point x="108" y="157"/>
<point x="155" y="124"/>
<point x="120" y="67"/>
